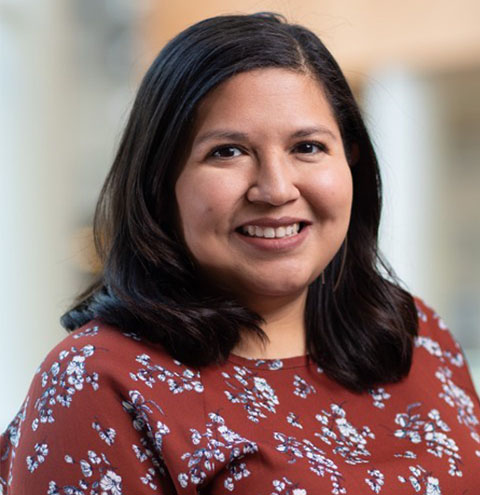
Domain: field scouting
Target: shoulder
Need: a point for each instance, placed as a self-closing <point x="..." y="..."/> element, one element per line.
<point x="97" y="401"/>
<point x="435" y="336"/>
<point x="436" y="343"/>
<point x="103" y="368"/>
<point x="101" y="357"/>
<point x="427" y="316"/>
<point x="108" y="349"/>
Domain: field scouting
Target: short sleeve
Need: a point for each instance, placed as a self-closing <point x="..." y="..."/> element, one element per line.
<point x="80" y="431"/>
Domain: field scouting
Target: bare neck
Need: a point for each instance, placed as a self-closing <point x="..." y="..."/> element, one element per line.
<point x="284" y="326"/>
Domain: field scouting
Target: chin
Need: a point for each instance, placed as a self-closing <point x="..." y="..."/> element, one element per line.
<point x="280" y="287"/>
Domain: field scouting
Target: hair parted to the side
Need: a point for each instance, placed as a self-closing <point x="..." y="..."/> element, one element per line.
<point x="361" y="334"/>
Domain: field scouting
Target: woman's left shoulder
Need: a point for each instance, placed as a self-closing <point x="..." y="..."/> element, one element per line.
<point x="434" y="333"/>
<point x="435" y="340"/>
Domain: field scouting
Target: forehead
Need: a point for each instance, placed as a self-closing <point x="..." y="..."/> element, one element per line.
<point x="263" y="97"/>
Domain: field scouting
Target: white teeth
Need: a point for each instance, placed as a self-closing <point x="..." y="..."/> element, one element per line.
<point x="270" y="232"/>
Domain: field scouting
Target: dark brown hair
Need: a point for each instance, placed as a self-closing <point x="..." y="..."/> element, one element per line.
<point x="361" y="333"/>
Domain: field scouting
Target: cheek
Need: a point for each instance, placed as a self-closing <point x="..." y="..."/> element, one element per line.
<point x="332" y="192"/>
<point x="193" y="207"/>
<point x="206" y="204"/>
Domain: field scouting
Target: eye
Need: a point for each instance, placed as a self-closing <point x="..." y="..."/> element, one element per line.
<point x="226" y="152"/>
<point x="309" y="148"/>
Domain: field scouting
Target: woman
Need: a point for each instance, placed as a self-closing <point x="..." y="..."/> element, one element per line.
<point x="244" y="334"/>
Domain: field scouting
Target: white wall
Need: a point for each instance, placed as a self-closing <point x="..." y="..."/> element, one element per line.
<point x="35" y="212"/>
<point x="398" y="114"/>
<point x="67" y="79"/>
<point x="424" y="221"/>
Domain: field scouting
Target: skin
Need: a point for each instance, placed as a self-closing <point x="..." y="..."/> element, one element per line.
<point x="265" y="144"/>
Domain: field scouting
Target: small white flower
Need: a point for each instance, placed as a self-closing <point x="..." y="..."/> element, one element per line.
<point x="52" y="488"/>
<point x="111" y="483"/>
<point x="88" y="350"/>
<point x="93" y="457"/>
<point x="183" y="479"/>
<point x="86" y="468"/>
<point x="63" y="355"/>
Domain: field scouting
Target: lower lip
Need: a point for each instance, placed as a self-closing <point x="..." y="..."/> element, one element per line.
<point x="276" y="244"/>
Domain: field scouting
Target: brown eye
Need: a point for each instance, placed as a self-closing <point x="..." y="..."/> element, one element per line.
<point x="309" y="148"/>
<point x="226" y="152"/>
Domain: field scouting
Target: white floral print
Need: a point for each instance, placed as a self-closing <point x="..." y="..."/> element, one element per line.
<point x="109" y="413"/>
<point x="62" y="381"/>
<point x="346" y="440"/>
<point x="433" y="347"/>
<point x="422" y="315"/>
<point x="95" y="476"/>
<point x="88" y="332"/>
<point x="302" y="388"/>
<point x="457" y="398"/>
<point x="111" y="483"/>
<point x="181" y="380"/>
<point x="106" y="434"/>
<point x="287" y="487"/>
<point x="408" y="454"/>
<point x="318" y="460"/>
<point x="292" y="418"/>
<point x="148" y="479"/>
<point x="379" y="396"/>
<point x="251" y="391"/>
<point x="141" y="411"/>
<point x="231" y="448"/>
<point x="375" y="480"/>
<point x="431" y="430"/>
<point x="422" y="481"/>
<point x="144" y="453"/>
<point x="12" y="440"/>
<point x="41" y="452"/>
<point x="273" y="364"/>
<point x="430" y="345"/>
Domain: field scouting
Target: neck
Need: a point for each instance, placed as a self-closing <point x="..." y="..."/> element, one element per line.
<point x="284" y="325"/>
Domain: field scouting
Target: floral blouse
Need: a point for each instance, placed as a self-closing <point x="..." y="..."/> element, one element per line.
<point x="109" y="414"/>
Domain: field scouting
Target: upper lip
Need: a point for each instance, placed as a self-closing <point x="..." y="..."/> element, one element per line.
<point x="274" y="222"/>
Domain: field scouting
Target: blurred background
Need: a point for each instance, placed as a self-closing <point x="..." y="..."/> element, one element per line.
<point x="68" y="74"/>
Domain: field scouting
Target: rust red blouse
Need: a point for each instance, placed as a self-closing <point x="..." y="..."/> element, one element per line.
<point x="108" y="414"/>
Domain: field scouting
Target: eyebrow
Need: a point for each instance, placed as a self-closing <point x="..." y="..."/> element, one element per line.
<point x="308" y="131"/>
<point x="241" y="136"/>
<point x="221" y="134"/>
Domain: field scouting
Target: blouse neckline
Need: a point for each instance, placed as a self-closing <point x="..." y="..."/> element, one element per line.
<point x="271" y="364"/>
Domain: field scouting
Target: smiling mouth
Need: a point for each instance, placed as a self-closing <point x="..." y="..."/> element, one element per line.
<point x="271" y="232"/>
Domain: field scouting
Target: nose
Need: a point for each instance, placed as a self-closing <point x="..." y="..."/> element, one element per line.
<point x="273" y="182"/>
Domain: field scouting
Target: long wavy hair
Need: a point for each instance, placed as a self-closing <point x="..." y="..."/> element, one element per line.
<point x="360" y="322"/>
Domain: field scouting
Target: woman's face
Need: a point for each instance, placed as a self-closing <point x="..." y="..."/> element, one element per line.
<point x="265" y="192"/>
